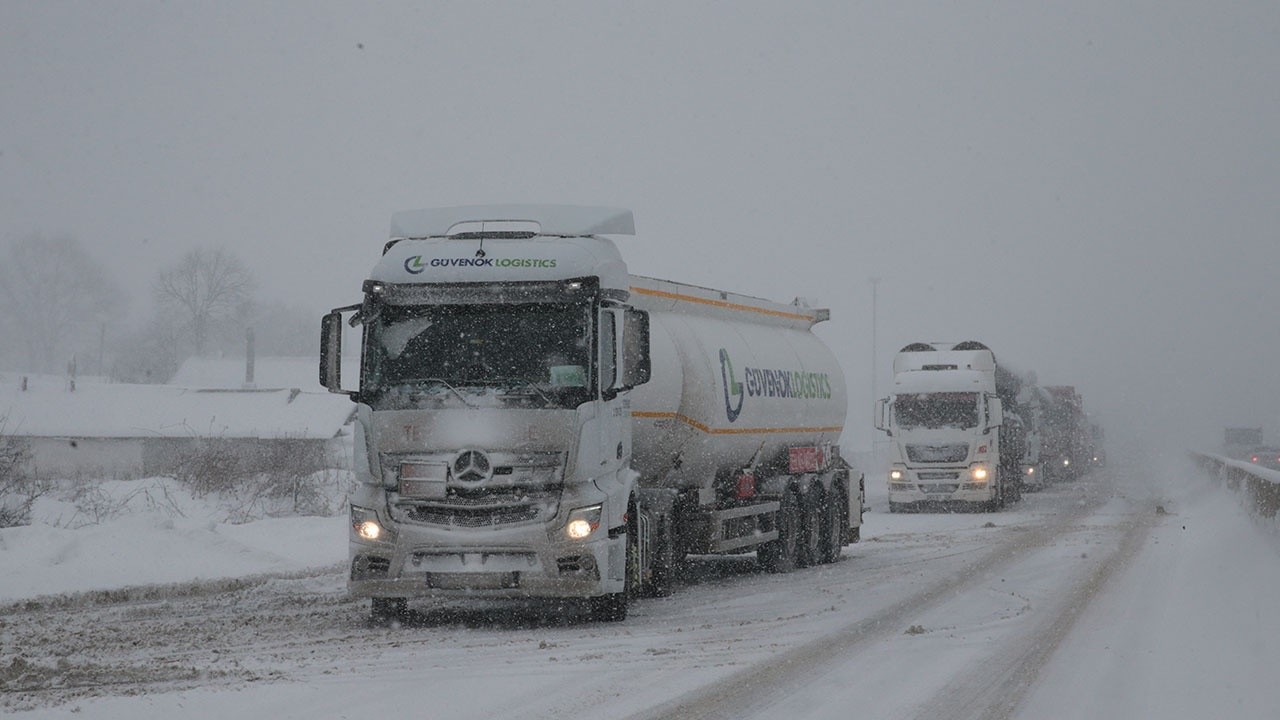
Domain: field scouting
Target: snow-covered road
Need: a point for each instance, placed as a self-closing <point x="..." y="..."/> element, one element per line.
<point x="1122" y="595"/>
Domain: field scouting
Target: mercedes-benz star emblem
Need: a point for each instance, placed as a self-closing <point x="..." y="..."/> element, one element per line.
<point x="472" y="466"/>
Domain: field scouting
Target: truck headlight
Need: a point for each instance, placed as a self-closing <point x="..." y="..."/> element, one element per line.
<point x="895" y="474"/>
<point x="979" y="474"/>
<point x="366" y="525"/>
<point x="583" y="522"/>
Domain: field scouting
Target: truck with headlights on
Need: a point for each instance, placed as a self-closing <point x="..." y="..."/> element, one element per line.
<point x="533" y="421"/>
<point x="957" y="440"/>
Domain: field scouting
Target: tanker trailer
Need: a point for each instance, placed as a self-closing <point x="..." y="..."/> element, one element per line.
<point x="736" y="432"/>
<point x="509" y="362"/>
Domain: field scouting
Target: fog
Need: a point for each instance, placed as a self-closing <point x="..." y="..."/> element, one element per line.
<point x="1088" y="189"/>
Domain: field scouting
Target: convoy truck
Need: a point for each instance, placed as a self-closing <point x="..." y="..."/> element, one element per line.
<point x="954" y="441"/>
<point x="1067" y="432"/>
<point x="533" y="421"/>
<point x="1033" y="403"/>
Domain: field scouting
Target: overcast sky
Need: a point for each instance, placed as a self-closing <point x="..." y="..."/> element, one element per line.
<point x="1092" y="189"/>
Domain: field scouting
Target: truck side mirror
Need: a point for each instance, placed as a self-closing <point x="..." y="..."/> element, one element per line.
<point x="995" y="413"/>
<point x="624" y="350"/>
<point x="636" y="367"/>
<point x="882" y="415"/>
<point x="331" y="351"/>
<point x="608" y="352"/>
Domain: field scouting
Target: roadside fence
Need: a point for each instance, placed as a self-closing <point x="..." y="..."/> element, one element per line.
<point x="1259" y="486"/>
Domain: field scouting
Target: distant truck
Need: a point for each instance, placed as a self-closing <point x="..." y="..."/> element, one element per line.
<point x="1033" y="405"/>
<point x="956" y="438"/>
<point x="1068" y="436"/>
<point x="1097" y="446"/>
<point x="1239" y="442"/>
<point x="535" y="422"/>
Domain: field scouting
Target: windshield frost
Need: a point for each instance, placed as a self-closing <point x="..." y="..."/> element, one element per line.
<point x="934" y="410"/>
<point x="538" y="348"/>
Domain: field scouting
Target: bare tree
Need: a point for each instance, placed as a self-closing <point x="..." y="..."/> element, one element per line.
<point x="204" y="288"/>
<point x="55" y="300"/>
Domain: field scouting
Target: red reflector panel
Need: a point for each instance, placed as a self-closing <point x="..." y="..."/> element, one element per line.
<point x="807" y="459"/>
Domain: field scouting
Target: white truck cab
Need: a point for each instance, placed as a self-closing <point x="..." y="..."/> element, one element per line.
<point x="510" y="442"/>
<point x="943" y="419"/>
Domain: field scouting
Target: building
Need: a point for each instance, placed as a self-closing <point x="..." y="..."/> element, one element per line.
<point x="119" y="430"/>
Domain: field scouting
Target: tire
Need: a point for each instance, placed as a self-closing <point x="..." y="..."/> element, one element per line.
<point x="612" y="607"/>
<point x="783" y="554"/>
<point x="384" y="610"/>
<point x="662" y="570"/>
<point x="811" y="522"/>
<point x="834" y="526"/>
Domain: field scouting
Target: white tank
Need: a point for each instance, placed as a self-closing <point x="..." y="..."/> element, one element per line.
<point x="736" y="381"/>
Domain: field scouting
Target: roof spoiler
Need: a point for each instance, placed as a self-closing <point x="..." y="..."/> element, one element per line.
<point x="563" y="220"/>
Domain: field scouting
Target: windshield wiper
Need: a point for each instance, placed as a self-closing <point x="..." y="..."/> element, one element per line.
<point x="441" y="381"/>
<point x="522" y="382"/>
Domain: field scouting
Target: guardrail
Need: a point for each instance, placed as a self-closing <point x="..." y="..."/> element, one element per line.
<point x="1260" y="486"/>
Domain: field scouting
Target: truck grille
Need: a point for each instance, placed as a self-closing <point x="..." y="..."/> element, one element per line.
<point x="507" y="488"/>
<point x="937" y="453"/>
<point x="472" y="517"/>
<point x="487" y="509"/>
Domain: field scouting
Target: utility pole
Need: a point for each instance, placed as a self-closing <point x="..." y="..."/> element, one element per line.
<point x="875" y="287"/>
<point x="875" y="437"/>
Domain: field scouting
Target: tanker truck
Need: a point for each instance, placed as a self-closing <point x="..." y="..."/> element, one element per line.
<point x="533" y="421"/>
<point x="956" y="438"/>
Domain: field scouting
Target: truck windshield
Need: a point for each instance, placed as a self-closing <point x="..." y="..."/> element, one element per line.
<point x="538" y="351"/>
<point x="937" y="410"/>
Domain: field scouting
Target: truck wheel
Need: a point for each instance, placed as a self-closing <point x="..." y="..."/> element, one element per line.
<point x="609" y="608"/>
<point x="833" y="526"/>
<point x="782" y="555"/>
<point x="811" y="528"/>
<point x="385" y="610"/>
<point x="662" y="569"/>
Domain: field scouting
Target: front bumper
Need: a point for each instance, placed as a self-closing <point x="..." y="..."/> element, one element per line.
<point x="530" y="560"/>
<point x="939" y="485"/>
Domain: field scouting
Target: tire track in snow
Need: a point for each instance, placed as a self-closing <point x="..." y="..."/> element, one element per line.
<point x="994" y="690"/>
<point x="753" y="689"/>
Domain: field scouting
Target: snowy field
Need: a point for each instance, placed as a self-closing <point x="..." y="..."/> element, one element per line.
<point x="1131" y="593"/>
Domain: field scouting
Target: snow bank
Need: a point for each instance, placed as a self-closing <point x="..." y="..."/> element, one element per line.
<point x="118" y="534"/>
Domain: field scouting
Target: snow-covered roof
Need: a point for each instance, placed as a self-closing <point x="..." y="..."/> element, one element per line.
<point x="268" y="372"/>
<point x="47" y="408"/>
<point x="924" y="381"/>
<point x="568" y="220"/>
